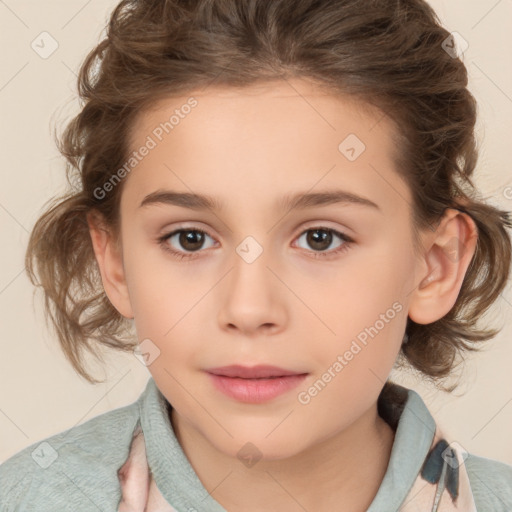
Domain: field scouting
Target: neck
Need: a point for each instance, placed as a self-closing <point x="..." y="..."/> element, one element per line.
<point x="348" y="468"/>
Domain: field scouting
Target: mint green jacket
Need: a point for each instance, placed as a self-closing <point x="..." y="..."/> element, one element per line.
<point x="76" y="470"/>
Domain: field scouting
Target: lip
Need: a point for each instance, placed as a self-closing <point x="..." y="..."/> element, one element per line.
<point x="260" y="371"/>
<point x="254" y="384"/>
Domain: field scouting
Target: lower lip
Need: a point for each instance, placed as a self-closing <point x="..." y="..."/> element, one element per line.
<point x="255" y="391"/>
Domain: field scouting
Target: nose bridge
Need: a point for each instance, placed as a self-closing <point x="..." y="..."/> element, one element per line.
<point x="258" y="251"/>
<point x="254" y="237"/>
<point x="250" y="274"/>
<point x="252" y="296"/>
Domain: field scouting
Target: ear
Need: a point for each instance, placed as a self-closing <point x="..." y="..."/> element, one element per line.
<point x="110" y="262"/>
<point x="448" y="253"/>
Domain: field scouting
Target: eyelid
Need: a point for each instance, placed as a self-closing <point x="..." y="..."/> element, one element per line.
<point x="320" y="224"/>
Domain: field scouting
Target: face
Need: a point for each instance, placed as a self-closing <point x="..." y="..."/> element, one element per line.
<point x="319" y="289"/>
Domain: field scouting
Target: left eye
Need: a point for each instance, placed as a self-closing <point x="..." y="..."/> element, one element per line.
<point x="320" y="238"/>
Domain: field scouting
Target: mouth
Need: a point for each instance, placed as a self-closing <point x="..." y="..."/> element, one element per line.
<point x="255" y="384"/>
<point x="253" y="372"/>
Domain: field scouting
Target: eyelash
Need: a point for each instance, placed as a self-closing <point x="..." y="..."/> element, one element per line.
<point x="316" y="254"/>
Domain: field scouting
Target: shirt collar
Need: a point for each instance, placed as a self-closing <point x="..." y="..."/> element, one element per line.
<point x="415" y="428"/>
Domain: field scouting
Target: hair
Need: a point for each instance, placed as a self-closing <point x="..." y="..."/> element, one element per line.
<point x="387" y="54"/>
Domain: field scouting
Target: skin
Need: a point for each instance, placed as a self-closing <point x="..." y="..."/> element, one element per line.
<point x="248" y="148"/>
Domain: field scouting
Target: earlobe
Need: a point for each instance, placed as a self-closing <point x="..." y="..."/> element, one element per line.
<point x="449" y="251"/>
<point x="110" y="264"/>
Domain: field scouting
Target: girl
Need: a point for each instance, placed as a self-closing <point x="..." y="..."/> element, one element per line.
<point x="278" y="196"/>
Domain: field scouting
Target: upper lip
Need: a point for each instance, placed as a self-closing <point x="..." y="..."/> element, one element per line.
<point x="252" y="372"/>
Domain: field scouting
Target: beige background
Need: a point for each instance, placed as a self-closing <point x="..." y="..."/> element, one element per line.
<point x="40" y="394"/>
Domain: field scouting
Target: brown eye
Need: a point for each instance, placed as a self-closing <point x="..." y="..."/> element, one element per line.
<point x="320" y="239"/>
<point x="188" y="240"/>
<point x="191" y="240"/>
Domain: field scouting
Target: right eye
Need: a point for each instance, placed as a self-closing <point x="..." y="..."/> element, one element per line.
<point x="190" y="239"/>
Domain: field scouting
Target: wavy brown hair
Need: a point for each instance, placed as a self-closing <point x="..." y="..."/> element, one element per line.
<point x="388" y="54"/>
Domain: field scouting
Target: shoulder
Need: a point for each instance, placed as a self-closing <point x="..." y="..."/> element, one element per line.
<point x="491" y="483"/>
<point x="75" y="468"/>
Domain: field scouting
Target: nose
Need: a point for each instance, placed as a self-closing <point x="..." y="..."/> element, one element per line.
<point x="252" y="299"/>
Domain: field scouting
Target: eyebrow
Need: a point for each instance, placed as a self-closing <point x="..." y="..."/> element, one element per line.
<point x="301" y="200"/>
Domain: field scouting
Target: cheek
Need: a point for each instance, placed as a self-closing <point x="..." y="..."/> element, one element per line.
<point x="353" y="368"/>
<point x="170" y="313"/>
<point x="160" y="292"/>
<point x="364" y="286"/>
<point x="366" y="309"/>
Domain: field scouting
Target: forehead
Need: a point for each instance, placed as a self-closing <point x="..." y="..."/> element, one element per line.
<point x="283" y="133"/>
<point x="299" y="97"/>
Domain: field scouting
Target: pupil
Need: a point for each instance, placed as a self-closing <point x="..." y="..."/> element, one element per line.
<point x="314" y="239"/>
<point x="195" y="238"/>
